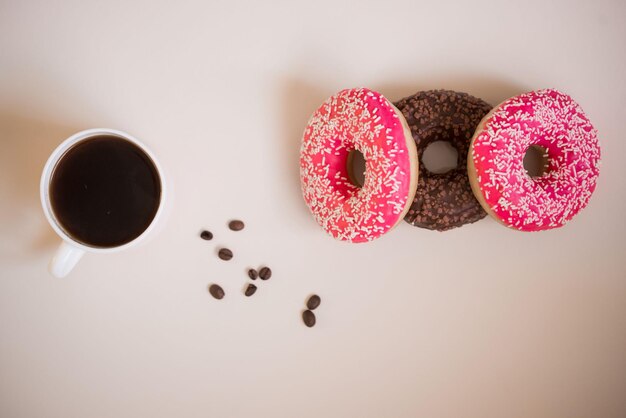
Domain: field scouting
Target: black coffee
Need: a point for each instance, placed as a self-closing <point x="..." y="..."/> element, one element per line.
<point x="105" y="191"/>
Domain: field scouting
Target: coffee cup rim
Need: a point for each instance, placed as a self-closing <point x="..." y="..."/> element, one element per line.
<point x="46" y="177"/>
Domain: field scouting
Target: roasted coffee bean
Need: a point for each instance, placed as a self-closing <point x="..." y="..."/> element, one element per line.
<point x="236" y="225"/>
<point x="265" y="273"/>
<point x="225" y="254"/>
<point x="250" y="289"/>
<point x="313" y="302"/>
<point x="308" y="318"/>
<point x="206" y="235"/>
<point x="216" y="291"/>
<point x="253" y="274"/>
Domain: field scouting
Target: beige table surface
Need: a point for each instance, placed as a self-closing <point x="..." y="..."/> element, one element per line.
<point x="477" y="322"/>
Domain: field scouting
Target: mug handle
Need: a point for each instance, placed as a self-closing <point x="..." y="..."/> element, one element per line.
<point x="65" y="259"/>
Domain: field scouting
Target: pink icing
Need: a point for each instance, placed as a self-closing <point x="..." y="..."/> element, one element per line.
<point x="364" y="120"/>
<point x="550" y="119"/>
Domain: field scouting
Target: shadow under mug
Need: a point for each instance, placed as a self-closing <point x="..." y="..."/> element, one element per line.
<point x="71" y="250"/>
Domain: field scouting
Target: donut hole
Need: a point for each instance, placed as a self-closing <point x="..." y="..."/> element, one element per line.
<point x="536" y="161"/>
<point x="440" y="157"/>
<point x="356" y="167"/>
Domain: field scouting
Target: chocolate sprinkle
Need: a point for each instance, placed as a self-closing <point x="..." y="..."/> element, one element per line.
<point x="443" y="201"/>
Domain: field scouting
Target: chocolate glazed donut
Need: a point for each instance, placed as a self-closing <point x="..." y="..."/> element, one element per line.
<point x="443" y="201"/>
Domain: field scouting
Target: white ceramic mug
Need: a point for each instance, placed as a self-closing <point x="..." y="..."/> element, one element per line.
<point x="71" y="250"/>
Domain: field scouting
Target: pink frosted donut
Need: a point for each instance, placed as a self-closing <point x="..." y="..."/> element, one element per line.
<point x="554" y="122"/>
<point x="364" y="120"/>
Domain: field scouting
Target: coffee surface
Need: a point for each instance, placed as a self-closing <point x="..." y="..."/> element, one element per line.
<point x="105" y="191"/>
